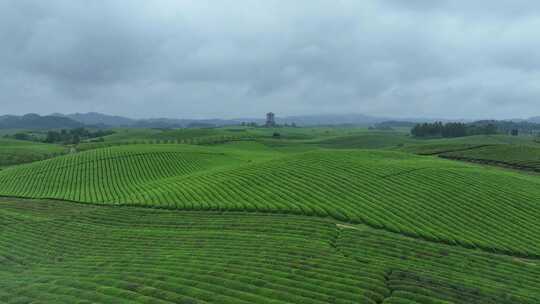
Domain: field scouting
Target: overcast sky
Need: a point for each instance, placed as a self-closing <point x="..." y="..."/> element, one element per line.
<point x="234" y="58"/>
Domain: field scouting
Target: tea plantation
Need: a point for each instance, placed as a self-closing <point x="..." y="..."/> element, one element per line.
<point x="77" y="253"/>
<point x="428" y="198"/>
<point x="523" y="157"/>
<point x="312" y="216"/>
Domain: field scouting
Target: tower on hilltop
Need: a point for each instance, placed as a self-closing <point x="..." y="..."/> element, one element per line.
<point x="270" y="119"/>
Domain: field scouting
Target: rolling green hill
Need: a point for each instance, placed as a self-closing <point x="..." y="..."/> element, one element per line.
<point x="367" y="140"/>
<point x="158" y="136"/>
<point x="14" y="152"/>
<point x="286" y="136"/>
<point x="424" y="197"/>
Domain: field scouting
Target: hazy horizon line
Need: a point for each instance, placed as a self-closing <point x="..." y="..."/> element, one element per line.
<point x="278" y="116"/>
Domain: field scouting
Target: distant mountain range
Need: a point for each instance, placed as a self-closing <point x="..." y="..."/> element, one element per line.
<point x="534" y="119"/>
<point x="98" y="119"/>
<point x="119" y="121"/>
<point x="333" y="119"/>
<point x="34" y="121"/>
<point x="308" y="120"/>
<point x="92" y="119"/>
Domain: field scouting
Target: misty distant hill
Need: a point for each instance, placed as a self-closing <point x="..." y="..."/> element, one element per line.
<point x="535" y="119"/>
<point x="321" y="120"/>
<point x="334" y="119"/>
<point x="35" y="121"/>
<point x="356" y="120"/>
<point x="182" y="123"/>
<point x="113" y="121"/>
<point x="93" y="118"/>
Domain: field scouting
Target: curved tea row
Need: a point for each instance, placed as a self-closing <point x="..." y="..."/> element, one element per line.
<point x="76" y="253"/>
<point x="429" y="198"/>
<point x="526" y="157"/>
<point x="84" y="254"/>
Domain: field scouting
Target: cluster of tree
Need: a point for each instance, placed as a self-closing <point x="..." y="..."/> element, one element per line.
<point x="512" y="127"/>
<point x="35" y="122"/>
<point x="476" y="128"/>
<point x="74" y="136"/>
<point x="23" y="136"/>
<point x="255" y="125"/>
<point x="452" y="129"/>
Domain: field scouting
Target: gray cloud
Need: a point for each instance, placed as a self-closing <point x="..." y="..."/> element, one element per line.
<point x="235" y="58"/>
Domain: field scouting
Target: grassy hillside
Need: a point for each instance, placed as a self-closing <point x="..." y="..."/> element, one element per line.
<point x="424" y="197"/>
<point x="402" y="141"/>
<point x="526" y="157"/>
<point x="13" y="152"/>
<point x="368" y="140"/>
<point x="75" y="253"/>
<point x="158" y="136"/>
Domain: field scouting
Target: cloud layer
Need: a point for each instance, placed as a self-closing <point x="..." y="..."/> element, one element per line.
<point x="235" y="58"/>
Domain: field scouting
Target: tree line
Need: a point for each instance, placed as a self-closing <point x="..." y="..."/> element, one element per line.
<point x="64" y="136"/>
<point x="452" y="129"/>
<point x="74" y="136"/>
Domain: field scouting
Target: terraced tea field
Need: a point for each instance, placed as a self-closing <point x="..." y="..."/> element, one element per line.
<point x="523" y="157"/>
<point x="432" y="199"/>
<point x="301" y="219"/>
<point x="77" y="253"/>
<point x="447" y="145"/>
